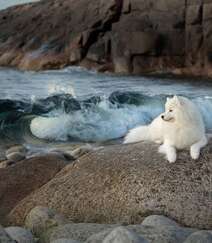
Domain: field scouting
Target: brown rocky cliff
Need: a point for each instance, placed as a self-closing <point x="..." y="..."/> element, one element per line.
<point x="127" y="36"/>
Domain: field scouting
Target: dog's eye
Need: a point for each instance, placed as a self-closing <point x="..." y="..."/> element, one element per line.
<point x="170" y="110"/>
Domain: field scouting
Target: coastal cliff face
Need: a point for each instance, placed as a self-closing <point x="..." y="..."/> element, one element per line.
<point x="124" y="36"/>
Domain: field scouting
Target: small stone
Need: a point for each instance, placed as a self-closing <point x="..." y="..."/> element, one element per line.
<point x="4" y="237"/>
<point x="68" y="156"/>
<point x="162" y="234"/>
<point x="20" y="235"/>
<point x="18" y="148"/>
<point x="159" y="220"/>
<point x="77" y="231"/>
<point x="16" y="156"/>
<point x="64" y="154"/>
<point x="63" y="240"/>
<point x="123" y="235"/>
<point x="78" y="152"/>
<point x="40" y="219"/>
<point x="5" y="164"/>
<point x="200" y="237"/>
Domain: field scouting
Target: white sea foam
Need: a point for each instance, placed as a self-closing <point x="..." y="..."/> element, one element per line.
<point x="101" y="123"/>
<point x="104" y="121"/>
<point x="59" y="88"/>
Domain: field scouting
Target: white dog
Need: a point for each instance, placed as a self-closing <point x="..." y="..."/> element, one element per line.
<point x="180" y="127"/>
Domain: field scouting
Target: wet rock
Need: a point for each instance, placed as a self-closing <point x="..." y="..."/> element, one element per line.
<point x="72" y="154"/>
<point x="65" y="154"/>
<point x="123" y="235"/>
<point x="40" y="219"/>
<point x="15" y="156"/>
<point x="159" y="220"/>
<point x="17" y="181"/>
<point x="5" y="164"/>
<point x="20" y="235"/>
<point x="16" y="149"/>
<point x="199" y="237"/>
<point x="125" y="183"/>
<point x="82" y="150"/>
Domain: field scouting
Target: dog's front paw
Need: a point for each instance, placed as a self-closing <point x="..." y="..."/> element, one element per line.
<point x="172" y="157"/>
<point x="162" y="149"/>
<point x="194" y="153"/>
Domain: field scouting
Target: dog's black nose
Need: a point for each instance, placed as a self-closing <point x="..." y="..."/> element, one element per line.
<point x="162" y="116"/>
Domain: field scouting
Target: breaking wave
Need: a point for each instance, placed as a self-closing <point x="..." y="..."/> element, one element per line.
<point x="63" y="117"/>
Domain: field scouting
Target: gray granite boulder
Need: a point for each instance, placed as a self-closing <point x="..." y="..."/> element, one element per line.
<point x="200" y="237"/>
<point x="162" y="234"/>
<point x="123" y="235"/>
<point x="20" y="235"/>
<point x="4" y="237"/>
<point x="79" y="232"/>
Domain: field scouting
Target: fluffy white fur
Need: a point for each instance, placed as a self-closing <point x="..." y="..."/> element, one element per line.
<point x="179" y="127"/>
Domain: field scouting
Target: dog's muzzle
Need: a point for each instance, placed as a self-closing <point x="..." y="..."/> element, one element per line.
<point x="167" y="120"/>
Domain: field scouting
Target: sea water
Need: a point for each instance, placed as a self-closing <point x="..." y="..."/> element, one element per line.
<point x="75" y="105"/>
<point x="8" y="3"/>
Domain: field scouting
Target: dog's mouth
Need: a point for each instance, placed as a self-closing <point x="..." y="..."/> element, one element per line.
<point x="168" y="119"/>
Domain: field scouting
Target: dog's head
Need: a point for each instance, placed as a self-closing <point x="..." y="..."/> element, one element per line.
<point x="174" y="109"/>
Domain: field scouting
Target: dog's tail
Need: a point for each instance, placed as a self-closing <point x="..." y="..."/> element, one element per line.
<point x="137" y="134"/>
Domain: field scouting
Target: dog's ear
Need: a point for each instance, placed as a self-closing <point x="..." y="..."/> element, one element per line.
<point x="168" y="99"/>
<point x="177" y="100"/>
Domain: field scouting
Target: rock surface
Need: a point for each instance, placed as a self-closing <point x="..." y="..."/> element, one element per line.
<point x="18" y="181"/>
<point x="123" y="235"/>
<point x="127" y="36"/>
<point x="20" y="235"/>
<point x="63" y="240"/>
<point x="159" y="220"/>
<point x="199" y="237"/>
<point x="80" y="232"/>
<point x="5" y="164"/>
<point x="96" y="233"/>
<point x="15" y="156"/>
<point x="167" y="234"/>
<point x="126" y="183"/>
<point x="40" y="219"/>
<point x="16" y="149"/>
<point x="4" y="237"/>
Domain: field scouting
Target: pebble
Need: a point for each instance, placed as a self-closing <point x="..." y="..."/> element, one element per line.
<point x="16" y="156"/>
<point x="15" y="149"/>
<point x="20" y="235"/>
<point x="63" y="240"/>
<point x="159" y="220"/>
<point x="40" y="219"/>
<point x="5" y="164"/>
<point x="4" y="237"/>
